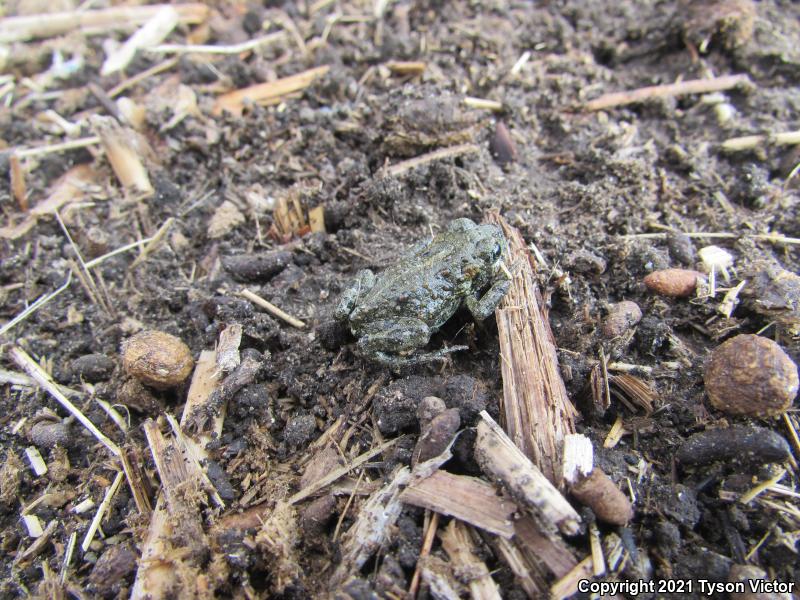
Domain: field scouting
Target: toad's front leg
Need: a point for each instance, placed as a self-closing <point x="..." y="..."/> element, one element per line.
<point x="484" y="307"/>
<point x="365" y="279"/>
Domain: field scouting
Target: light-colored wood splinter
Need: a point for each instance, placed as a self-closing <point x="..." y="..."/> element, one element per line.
<point x="457" y="541"/>
<point x="270" y="92"/>
<point x="748" y="142"/>
<point x="502" y="460"/>
<point x="681" y="88"/>
<point x="124" y="150"/>
<point x="271" y="308"/>
<point x="472" y="500"/>
<point x="101" y="511"/>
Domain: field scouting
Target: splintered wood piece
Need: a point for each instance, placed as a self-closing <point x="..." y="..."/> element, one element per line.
<point x="228" y="348"/>
<point x="537" y="411"/>
<point x="187" y="526"/>
<point x="501" y="460"/>
<point x="372" y="527"/>
<point x="467" y="498"/>
<point x="471" y="570"/>
<point x="553" y="554"/>
<point x="527" y="576"/>
<point x="157" y="579"/>
<point x="270" y="92"/>
<point x="28" y="27"/>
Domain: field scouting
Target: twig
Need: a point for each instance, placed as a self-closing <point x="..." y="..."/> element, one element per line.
<point x="748" y="142"/>
<point x="68" y="556"/>
<point x="91" y="140"/>
<point x="418" y="161"/>
<point x="25" y="362"/>
<point x="28" y="27"/>
<point x="96" y="261"/>
<point x="153" y="242"/>
<point x="272" y="38"/>
<point x="271" y="308"/>
<point x="775" y="238"/>
<point x="691" y="86"/>
<point x="483" y="104"/>
<point x="101" y="511"/>
<point x="427" y="544"/>
<point x="139" y="77"/>
<point x="41" y="301"/>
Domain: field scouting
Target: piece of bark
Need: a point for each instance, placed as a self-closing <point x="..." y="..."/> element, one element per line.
<point x="467" y="567"/>
<point x="372" y="527"/>
<point x="467" y="498"/>
<point x="501" y="460"/>
<point x="536" y="409"/>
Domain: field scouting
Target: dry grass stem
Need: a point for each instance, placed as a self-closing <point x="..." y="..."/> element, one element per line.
<point x="140" y="77"/>
<point x="17" y="178"/>
<point x="101" y="511"/>
<point x="41" y="301"/>
<point x="483" y="104"/>
<point x="271" y="308"/>
<point x="153" y="32"/>
<point x="92" y="140"/>
<point x="153" y="243"/>
<point x="27" y="364"/>
<point x="681" y="88"/>
<point x="405" y="67"/>
<point x="427" y="544"/>
<point x="124" y="153"/>
<point x="272" y="38"/>
<point x="38" y="466"/>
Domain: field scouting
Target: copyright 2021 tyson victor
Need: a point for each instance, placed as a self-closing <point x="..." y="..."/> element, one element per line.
<point x="634" y="587"/>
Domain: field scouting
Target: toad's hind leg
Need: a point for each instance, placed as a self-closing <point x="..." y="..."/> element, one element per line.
<point x="391" y="342"/>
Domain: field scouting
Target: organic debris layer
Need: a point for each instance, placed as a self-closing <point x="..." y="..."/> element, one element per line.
<point x="230" y="180"/>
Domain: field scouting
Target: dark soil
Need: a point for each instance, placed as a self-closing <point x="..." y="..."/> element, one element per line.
<point x="582" y="187"/>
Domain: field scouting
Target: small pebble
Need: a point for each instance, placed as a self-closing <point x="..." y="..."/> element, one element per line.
<point x="675" y="283"/>
<point x="115" y="564"/>
<point x="428" y="408"/>
<point x="601" y="494"/>
<point x="754" y="445"/>
<point x="257" y="267"/>
<point x="436" y="437"/>
<point x="622" y="316"/>
<point x="681" y="248"/>
<point x="751" y="375"/>
<point x="133" y="394"/>
<point x="92" y="367"/>
<point x="157" y="359"/>
<point x="49" y="434"/>
<point x="316" y="516"/>
<point x="502" y="145"/>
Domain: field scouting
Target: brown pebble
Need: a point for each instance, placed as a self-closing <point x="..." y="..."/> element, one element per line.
<point x="751" y="375"/>
<point x="157" y="359"/>
<point x="92" y="367"/>
<point x="49" y="434"/>
<point x="428" y="408"/>
<point x="316" y="516"/>
<point x="133" y="394"/>
<point x="601" y="494"/>
<point x="257" y="267"/>
<point x="751" y="573"/>
<point x="502" y="145"/>
<point x="675" y="283"/>
<point x="436" y="437"/>
<point x="621" y="317"/>
<point x="116" y="563"/>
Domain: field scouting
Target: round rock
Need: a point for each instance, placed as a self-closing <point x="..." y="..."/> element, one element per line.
<point x="752" y="376"/>
<point x="157" y="359"/>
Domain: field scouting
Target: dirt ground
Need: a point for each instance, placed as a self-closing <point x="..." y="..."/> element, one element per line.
<point x="603" y="196"/>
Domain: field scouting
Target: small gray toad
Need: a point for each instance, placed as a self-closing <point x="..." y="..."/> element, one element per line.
<point x="394" y="313"/>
